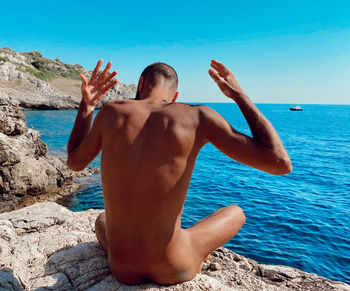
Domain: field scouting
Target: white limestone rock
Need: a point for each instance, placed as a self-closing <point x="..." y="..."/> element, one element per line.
<point x="47" y="247"/>
<point x="27" y="173"/>
<point x="36" y="82"/>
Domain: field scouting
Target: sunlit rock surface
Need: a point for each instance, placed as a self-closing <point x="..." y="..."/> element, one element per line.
<point x="27" y="172"/>
<point x="47" y="247"/>
<point x="36" y="82"/>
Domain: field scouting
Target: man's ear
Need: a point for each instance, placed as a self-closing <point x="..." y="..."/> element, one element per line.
<point x="139" y="88"/>
<point x="141" y="83"/>
<point x="175" y="97"/>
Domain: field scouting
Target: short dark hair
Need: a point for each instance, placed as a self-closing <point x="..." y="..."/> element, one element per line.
<point x="154" y="72"/>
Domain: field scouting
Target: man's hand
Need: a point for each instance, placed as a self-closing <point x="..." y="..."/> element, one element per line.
<point x="93" y="90"/>
<point x="225" y="79"/>
<point x="85" y="143"/>
<point x="264" y="151"/>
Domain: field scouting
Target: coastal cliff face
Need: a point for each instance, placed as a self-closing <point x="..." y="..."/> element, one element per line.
<point x="27" y="173"/>
<point x="47" y="247"/>
<point x="36" y="82"/>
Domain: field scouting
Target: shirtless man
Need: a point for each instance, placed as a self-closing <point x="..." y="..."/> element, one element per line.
<point x="149" y="148"/>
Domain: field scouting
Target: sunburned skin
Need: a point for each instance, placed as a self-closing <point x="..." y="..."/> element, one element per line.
<point x="149" y="148"/>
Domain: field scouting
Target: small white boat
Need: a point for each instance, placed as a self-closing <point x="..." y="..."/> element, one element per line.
<point x="296" y="108"/>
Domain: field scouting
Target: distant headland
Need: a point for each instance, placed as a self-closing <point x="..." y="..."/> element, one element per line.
<point x="40" y="83"/>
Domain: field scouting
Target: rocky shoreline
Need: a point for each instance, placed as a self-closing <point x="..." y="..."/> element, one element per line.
<point x="47" y="247"/>
<point x="27" y="173"/>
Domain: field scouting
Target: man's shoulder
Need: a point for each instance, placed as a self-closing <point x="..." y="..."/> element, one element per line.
<point x="119" y="103"/>
<point x="112" y="111"/>
<point x="202" y="110"/>
<point x="206" y="115"/>
<point x="117" y="106"/>
<point x="189" y="107"/>
<point x="206" y="111"/>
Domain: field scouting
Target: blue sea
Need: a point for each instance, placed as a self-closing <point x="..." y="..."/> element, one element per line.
<point x="300" y="220"/>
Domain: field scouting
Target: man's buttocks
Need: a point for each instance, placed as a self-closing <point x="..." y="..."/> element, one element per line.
<point x="176" y="263"/>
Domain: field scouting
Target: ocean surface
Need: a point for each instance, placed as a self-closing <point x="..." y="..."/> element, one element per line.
<point x="300" y="220"/>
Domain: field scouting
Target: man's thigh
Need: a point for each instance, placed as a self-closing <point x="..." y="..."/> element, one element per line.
<point x="215" y="230"/>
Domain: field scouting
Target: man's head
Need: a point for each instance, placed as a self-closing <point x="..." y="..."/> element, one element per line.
<point x="158" y="77"/>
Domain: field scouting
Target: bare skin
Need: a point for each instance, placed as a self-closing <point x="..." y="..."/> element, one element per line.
<point x="149" y="148"/>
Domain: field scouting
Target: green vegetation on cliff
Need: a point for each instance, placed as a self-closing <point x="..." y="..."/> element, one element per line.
<point x="47" y="69"/>
<point x="41" y="67"/>
<point x="4" y="59"/>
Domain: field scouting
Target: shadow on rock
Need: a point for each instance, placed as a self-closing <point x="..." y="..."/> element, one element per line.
<point x="77" y="268"/>
<point x="8" y="281"/>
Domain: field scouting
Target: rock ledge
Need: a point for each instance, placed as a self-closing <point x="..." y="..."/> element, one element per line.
<point x="47" y="247"/>
<point x="27" y="172"/>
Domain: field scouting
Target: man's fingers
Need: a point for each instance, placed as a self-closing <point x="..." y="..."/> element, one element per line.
<point x="222" y="84"/>
<point x="217" y="67"/>
<point x="218" y="64"/>
<point x="217" y="78"/>
<point x="108" y="78"/>
<point x="105" y="71"/>
<point x="96" y="70"/>
<point x="109" y="85"/>
<point x="219" y="70"/>
<point x="103" y="91"/>
<point x="220" y="67"/>
<point x="214" y="75"/>
<point x="84" y="80"/>
<point x="96" y="99"/>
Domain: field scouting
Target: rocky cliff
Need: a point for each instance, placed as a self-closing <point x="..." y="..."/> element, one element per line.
<point x="36" y="82"/>
<point x="27" y="173"/>
<point x="47" y="247"/>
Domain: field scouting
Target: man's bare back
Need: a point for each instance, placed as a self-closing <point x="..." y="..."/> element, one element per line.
<point x="149" y="148"/>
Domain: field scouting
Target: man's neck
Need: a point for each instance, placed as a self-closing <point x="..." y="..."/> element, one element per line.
<point x="157" y="95"/>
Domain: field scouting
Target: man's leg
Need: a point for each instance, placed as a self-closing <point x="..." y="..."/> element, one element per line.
<point x="214" y="230"/>
<point x="100" y="231"/>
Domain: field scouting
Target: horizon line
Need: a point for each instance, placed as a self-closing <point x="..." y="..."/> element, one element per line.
<point x="284" y="103"/>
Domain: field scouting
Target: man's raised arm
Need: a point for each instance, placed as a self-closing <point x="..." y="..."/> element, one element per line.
<point x="85" y="142"/>
<point x="265" y="150"/>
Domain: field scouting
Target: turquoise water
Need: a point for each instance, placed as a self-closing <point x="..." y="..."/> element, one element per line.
<point x="301" y="220"/>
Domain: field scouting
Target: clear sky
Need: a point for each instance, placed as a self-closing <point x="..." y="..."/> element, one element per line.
<point x="293" y="52"/>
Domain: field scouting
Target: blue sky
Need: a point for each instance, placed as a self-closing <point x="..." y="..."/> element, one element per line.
<point x="293" y="52"/>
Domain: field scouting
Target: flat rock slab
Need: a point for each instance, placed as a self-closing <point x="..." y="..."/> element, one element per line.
<point x="47" y="247"/>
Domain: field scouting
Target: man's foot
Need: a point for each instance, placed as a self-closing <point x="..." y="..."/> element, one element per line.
<point x="201" y="266"/>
